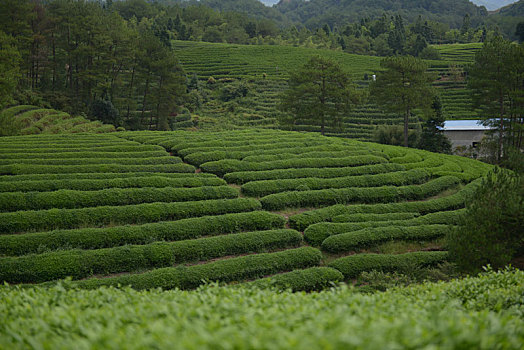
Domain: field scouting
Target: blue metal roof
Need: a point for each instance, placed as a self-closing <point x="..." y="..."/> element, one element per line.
<point x="464" y="125"/>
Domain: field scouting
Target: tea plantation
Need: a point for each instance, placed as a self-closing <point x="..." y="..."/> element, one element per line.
<point x="176" y="209"/>
<point x="265" y="69"/>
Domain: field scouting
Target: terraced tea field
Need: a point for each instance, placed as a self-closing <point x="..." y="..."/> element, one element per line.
<point x="174" y="209"/>
<point x="266" y="69"/>
<point x="30" y="120"/>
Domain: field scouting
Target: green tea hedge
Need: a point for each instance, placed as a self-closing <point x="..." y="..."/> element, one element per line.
<point x="23" y="221"/>
<point x="96" y="238"/>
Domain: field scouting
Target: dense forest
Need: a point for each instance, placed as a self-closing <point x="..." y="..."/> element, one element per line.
<point x="114" y="61"/>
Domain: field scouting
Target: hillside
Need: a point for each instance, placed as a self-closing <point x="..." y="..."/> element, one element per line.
<point x="132" y="209"/>
<point x="29" y="120"/>
<point x="316" y="13"/>
<point x="264" y="69"/>
<point x="492" y="5"/>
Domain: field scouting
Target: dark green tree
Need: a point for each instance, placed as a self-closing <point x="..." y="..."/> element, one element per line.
<point x="432" y="137"/>
<point x="402" y="86"/>
<point x="497" y="80"/>
<point x="321" y="92"/>
<point x="519" y="31"/>
<point x="491" y="231"/>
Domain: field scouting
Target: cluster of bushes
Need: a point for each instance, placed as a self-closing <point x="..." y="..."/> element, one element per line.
<point x="84" y="263"/>
<point x="228" y="270"/>
<point x="370" y="236"/>
<point x="221" y="167"/>
<point x="22" y="221"/>
<point x="273" y="144"/>
<point x="49" y="148"/>
<point x="451" y="202"/>
<point x="304" y="199"/>
<point x="83" y="155"/>
<point x="317" y="233"/>
<point x="99" y="176"/>
<point x="363" y="217"/>
<point x="16" y="169"/>
<point x="243" y="177"/>
<point x="353" y="265"/>
<point x="13" y="201"/>
<point x="100" y="184"/>
<point x="97" y="238"/>
<point x="198" y="158"/>
<point x="266" y="187"/>
<point x="308" y="280"/>
<point x="347" y="152"/>
<point x="87" y="161"/>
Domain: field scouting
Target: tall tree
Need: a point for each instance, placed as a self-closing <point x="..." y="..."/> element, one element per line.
<point x="9" y="68"/>
<point x="320" y="91"/>
<point x="433" y="138"/>
<point x="403" y="85"/>
<point x="497" y="79"/>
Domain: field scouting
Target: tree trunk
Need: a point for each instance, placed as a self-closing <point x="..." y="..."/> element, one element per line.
<point x="406" y="123"/>
<point x="501" y="126"/>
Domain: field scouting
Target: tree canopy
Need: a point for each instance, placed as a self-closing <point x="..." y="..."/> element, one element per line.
<point x="402" y="86"/>
<point x="320" y="91"/>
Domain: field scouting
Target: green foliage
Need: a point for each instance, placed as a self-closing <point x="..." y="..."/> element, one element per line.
<point x="454" y="201"/>
<point x="402" y="86"/>
<point x="107" y="237"/>
<point x="482" y="312"/>
<point x="9" y="75"/>
<point x="308" y="280"/>
<point x="222" y="167"/>
<point x="496" y="79"/>
<point x="152" y="180"/>
<point x="267" y="187"/>
<point x="394" y="135"/>
<point x="432" y="137"/>
<point x="18" y="169"/>
<point x="305" y="199"/>
<point x="234" y="269"/>
<point x="13" y="201"/>
<point x="320" y="91"/>
<point x="372" y="236"/>
<point x="242" y="177"/>
<point x="491" y="232"/>
<point x="131" y="214"/>
<point x="351" y="266"/>
<point x="317" y="233"/>
<point x="84" y="263"/>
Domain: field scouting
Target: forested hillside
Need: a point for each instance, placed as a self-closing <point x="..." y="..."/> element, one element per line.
<point x="333" y="12"/>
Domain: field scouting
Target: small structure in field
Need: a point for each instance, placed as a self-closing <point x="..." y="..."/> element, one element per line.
<point x="465" y="133"/>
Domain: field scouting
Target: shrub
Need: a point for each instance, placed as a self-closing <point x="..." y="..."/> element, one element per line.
<point x="304" y="199"/>
<point x="84" y="263"/>
<point x="222" y="167"/>
<point x="317" y="233"/>
<point x="371" y="236"/>
<point x="362" y="217"/>
<point x="97" y="238"/>
<point x="99" y="184"/>
<point x="351" y="266"/>
<point x="235" y="269"/>
<point x="454" y="201"/>
<point x="13" y="201"/>
<point x="308" y="280"/>
<point x="17" y="169"/>
<point x="127" y="214"/>
<point x="492" y="230"/>
<point x="247" y="176"/>
<point x="88" y="161"/>
<point x="263" y="188"/>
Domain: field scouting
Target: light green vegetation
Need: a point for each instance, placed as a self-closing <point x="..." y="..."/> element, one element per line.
<point x="482" y="312"/>
<point x="80" y="206"/>
<point x="30" y="120"/>
<point x="264" y="70"/>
